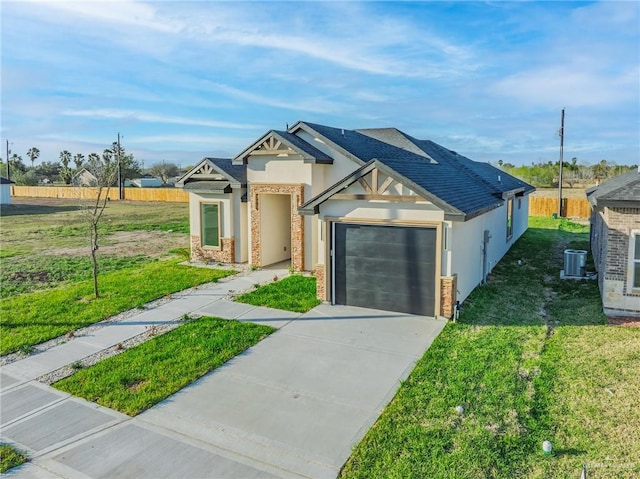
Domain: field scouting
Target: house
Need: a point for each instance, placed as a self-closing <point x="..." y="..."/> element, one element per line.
<point x="5" y="191"/>
<point x="615" y="242"/>
<point x="383" y="219"/>
<point x="84" y="177"/>
<point x="145" y="181"/>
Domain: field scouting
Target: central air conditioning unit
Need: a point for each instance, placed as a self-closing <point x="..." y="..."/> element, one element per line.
<point x="575" y="262"/>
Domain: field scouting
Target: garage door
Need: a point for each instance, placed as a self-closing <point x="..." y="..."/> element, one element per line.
<point x="385" y="267"/>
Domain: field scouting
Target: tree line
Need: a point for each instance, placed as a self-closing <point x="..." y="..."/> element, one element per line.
<point x="546" y="175"/>
<point x="64" y="170"/>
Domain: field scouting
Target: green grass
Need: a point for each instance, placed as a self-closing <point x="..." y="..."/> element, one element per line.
<point x="295" y="293"/>
<point x="10" y="457"/>
<point x="45" y="224"/>
<point x="29" y="319"/>
<point x="145" y="375"/>
<point x="529" y="359"/>
<point x="26" y="274"/>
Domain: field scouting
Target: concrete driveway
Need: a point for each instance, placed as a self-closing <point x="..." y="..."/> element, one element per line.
<point x="292" y="406"/>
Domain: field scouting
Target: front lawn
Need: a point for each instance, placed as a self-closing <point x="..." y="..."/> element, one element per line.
<point x="530" y="359"/>
<point x="140" y="377"/>
<point x="10" y="457"/>
<point x="29" y="319"/>
<point x="295" y="293"/>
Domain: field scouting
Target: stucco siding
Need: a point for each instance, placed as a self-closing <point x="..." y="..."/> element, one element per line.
<point x="381" y="211"/>
<point x="466" y="244"/>
<point x="5" y="194"/>
<point x="276" y="170"/>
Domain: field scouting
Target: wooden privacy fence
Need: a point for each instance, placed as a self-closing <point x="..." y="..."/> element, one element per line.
<point x="538" y="206"/>
<point x="175" y="195"/>
<point x="571" y="207"/>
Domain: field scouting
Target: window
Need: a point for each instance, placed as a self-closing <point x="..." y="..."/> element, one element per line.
<point x="509" y="218"/>
<point x="210" y="224"/>
<point x="636" y="260"/>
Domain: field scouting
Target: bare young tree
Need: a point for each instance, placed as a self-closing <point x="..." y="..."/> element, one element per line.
<point x="105" y="172"/>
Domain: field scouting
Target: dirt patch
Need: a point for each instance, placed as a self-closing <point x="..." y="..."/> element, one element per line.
<point x="132" y="243"/>
<point x="624" y="321"/>
<point x="30" y="277"/>
<point x="137" y="385"/>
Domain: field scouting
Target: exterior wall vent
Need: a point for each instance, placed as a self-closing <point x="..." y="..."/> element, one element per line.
<point x="575" y="262"/>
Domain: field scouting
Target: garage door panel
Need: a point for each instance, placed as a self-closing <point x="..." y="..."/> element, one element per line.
<point x="395" y="277"/>
<point x="385" y="267"/>
<point x="393" y="267"/>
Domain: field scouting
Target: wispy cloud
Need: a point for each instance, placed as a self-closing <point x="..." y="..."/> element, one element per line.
<point x="105" y="113"/>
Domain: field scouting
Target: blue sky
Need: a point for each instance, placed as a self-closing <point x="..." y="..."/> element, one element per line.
<point x="183" y="80"/>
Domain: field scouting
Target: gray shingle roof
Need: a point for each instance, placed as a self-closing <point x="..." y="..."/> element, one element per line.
<point x="208" y="186"/>
<point x="625" y="187"/>
<point x="300" y="144"/>
<point x="237" y="172"/>
<point x="4" y="181"/>
<point x="467" y="186"/>
<point x="309" y="152"/>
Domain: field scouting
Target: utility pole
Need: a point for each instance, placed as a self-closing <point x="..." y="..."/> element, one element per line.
<point x="8" y="170"/>
<point x="561" y="161"/>
<point x="120" y="195"/>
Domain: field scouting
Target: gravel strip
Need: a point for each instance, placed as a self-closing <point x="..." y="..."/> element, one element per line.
<point x="150" y="333"/>
<point x="242" y="271"/>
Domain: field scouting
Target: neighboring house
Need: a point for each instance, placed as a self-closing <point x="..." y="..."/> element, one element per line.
<point x="383" y="219"/>
<point x="5" y="191"/>
<point x="84" y="178"/>
<point x="146" y="181"/>
<point x="615" y="242"/>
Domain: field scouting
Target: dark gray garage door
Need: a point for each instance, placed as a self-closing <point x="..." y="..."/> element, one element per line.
<point x="385" y="267"/>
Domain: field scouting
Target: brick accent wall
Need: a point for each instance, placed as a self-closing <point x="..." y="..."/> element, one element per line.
<point x="226" y="253"/>
<point x="610" y="236"/>
<point x="321" y="291"/>
<point x="448" y="295"/>
<point x="620" y="222"/>
<point x="297" y="221"/>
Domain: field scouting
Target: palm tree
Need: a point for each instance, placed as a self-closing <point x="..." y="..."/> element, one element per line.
<point x="65" y="158"/>
<point x="78" y="160"/>
<point x="33" y="155"/>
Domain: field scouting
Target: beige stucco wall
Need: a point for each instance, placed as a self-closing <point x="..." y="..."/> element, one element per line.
<point x="275" y="229"/>
<point x="233" y="219"/>
<point x="466" y="242"/>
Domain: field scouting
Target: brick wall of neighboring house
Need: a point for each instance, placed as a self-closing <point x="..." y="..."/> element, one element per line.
<point x="610" y="237"/>
<point x="224" y="254"/>
<point x="297" y="222"/>
<point x="448" y="295"/>
<point x="620" y="221"/>
<point x="320" y="283"/>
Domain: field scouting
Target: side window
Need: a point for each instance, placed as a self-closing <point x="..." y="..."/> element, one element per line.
<point x="635" y="270"/>
<point x="210" y="224"/>
<point x="509" y="218"/>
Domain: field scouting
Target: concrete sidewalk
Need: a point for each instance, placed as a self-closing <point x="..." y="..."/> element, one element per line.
<point x="208" y="299"/>
<point x="291" y="407"/>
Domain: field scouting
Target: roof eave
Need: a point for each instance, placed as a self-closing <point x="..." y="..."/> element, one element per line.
<point x="513" y="192"/>
<point x="303" y="126"/>
<point x="617" y="203"/>
<point x="243" y="157"/>
<point x="312" y="206"/>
